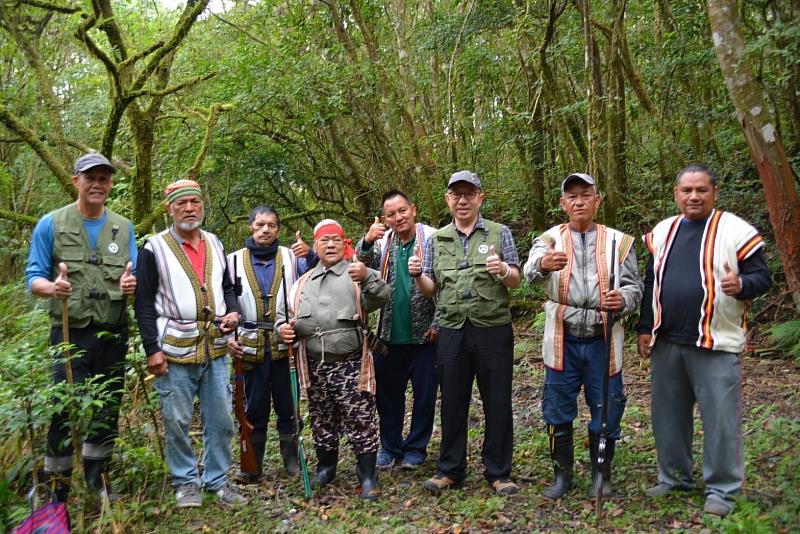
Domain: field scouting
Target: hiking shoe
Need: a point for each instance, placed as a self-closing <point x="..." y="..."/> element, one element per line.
<point x="662" y="488"/>
<point x="504" y="487"/>
<point x="188" y="496"/>
<point x="439" y="483"/>
<point x="716" y="507"/>
<point x="384" y="461"/>
<point x="228" y="496"/>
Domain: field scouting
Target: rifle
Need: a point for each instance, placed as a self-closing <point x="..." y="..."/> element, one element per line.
<point x="301" y="452"/>
<point x="247" y="455"/>
<point x="601" y="443"/>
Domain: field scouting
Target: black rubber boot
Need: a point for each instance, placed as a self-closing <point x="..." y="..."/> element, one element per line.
<point x="242" y="477"/>
<point x="326" y="467"/>
<point x="368" y="476"/>
<point x="594" y="443"/>
<point x="58" y="483"/>
<point x="289" y="455"/>
<point x="560" y="438"/>
<point x="94" y="472"/>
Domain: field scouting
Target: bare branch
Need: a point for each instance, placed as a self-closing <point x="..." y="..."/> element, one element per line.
<point x="82" y="35"/>
<point x="141" y="55"/>
<point x="241" y="30"/>
<point x="170" y="90"/>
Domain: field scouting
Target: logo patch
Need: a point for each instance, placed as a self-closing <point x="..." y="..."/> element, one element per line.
<point x="483" y="249"/>
<point x="113" y="248"/>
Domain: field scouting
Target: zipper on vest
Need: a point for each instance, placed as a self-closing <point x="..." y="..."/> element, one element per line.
<point x="585" y="286"/>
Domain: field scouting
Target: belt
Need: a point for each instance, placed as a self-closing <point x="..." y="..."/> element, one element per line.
<point x="336" y="358"/>
<point x="257" y="325"/>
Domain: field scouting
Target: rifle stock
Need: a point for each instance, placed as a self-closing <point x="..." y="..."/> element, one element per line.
<point x="247" y="455"/>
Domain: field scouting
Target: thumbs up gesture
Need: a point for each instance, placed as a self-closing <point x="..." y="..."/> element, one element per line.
<point x="127" y="282"/>
<point x="62" y="288"/>
<point x="415" y="261"/>
<point x="494" y="265"/>
<point x="376" y="231"/>
<point x="730" y="282"/>
<point x="299" y="247"/>
<point x="357" y="270"/>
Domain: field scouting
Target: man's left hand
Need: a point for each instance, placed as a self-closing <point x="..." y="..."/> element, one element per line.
<point x="299" y="247"/>
<point x="613" y="301"/>
<point x="235" y="348"/>
<point x="494" y="265"/>
<point x="229" y="323"/>
<point x="730" y="282"/>
<point x="127" y="282"/>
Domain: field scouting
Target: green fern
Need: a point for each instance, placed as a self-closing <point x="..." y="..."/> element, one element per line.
<point x="786" y="337"/>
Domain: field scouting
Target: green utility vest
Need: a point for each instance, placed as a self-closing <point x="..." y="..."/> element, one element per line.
<point x="96" y="297"/>
<point x="466" y="290"/>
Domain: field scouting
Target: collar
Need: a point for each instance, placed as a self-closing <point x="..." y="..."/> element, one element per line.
<point x="181" y="240"/>
<point x="479" y="225"/>
<point x="337" y="269"/>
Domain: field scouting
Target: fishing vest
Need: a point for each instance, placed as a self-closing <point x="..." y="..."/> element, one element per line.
<point x="94" y="274"/>
<point x="188" y="310"/>
<point x="255" y="333"/>
<point x="466" y="289"/>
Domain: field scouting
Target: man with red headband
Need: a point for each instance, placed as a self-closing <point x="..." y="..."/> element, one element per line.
<point x="326" y="310"/>
<point x="185" y="306"/>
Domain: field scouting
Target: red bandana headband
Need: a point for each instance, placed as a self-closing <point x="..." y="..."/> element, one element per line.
<point x="328" y="227"/>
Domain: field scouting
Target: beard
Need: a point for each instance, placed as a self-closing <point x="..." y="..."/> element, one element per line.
<point x="189" y="226"/>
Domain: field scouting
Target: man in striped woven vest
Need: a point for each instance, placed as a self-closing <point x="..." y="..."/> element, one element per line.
<point x="573" y="261"/>
<point x="705" y="266"/>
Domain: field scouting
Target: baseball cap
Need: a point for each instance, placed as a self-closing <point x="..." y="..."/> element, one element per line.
<point x="465" y="176"/>
<point x="93" y="159"/>
<point x="577" y="176"/>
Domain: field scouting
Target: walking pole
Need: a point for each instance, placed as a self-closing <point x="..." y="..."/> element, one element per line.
<point x="70" y="379"/>
<point x="601" y="443"/>
<point x="301" y="452"/>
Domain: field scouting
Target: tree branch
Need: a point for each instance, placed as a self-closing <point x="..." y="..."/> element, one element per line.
<point x="213" y="116"/>
<point x="169" y="90"/>
<point x="50" y="6"/>
<point x="20" y="218"/>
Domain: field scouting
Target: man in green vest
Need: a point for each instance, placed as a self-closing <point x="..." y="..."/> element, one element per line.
<point x="86" y="254"/>
<point x="469" y="265"/>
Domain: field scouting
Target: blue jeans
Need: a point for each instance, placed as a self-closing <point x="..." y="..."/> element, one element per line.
<point x="584" y="359"/>
<point x="392" y="373"/>
<point x="177" y="390"/>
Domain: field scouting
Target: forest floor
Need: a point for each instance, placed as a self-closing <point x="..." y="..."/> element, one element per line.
<point x="770" y="503"/>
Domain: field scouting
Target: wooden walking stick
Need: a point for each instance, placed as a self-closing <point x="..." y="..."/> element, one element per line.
<point x="70" y="379"/>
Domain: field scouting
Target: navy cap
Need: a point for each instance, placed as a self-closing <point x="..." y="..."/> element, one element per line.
<point x="577" y="176"/>
<point x="93" y="159"/>
<point x="465" y="176"/>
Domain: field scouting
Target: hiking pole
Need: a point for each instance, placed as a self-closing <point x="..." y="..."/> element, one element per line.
<point x="70" y="379"/>
<point x="601" y="442"/>
<point x="301" y="452"/>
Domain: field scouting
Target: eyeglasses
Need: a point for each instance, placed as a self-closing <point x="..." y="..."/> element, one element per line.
<point x="469" y="195"/>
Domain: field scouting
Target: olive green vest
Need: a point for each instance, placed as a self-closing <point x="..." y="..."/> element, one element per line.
<point x="466" y="289"/>
<point x="96" y="297"/>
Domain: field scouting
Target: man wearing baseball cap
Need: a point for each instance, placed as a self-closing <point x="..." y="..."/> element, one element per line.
<point x="185" y="306"/>
<point x="85" y="254"/>
<point x="573" y="261"/>
<point x="469" y="265"/>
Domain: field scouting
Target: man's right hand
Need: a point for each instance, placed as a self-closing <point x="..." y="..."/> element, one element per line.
<point x="375" y="232"/>
<point x="286" y="331"/>
<point x="553" y="261"/>
<point x="643" y="342"/>
<point x="157" y="364"/>
<point x="62" y="288"/>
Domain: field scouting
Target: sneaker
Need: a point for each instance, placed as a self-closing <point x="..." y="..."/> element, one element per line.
<point x="230" y="497"/>
<point x="410" y="463"/>
<point x="504" y="487"/>
<point x="384" y="461"/>
<point x="716" y="507"/>
<point x="439" y="483"/>
<point x="188" y="496"/>
<point x="662" y="488"/>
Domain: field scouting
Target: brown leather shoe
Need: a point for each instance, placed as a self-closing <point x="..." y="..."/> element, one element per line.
<point x="505" y="487"/>
<point x="439" y="483"/>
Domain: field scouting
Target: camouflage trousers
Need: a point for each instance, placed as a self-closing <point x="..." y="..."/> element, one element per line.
<point x="335" y="407"/>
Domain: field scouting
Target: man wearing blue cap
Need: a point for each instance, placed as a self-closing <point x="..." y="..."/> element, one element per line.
<point x="470" y="265"/>
<point x="86" y="254"/>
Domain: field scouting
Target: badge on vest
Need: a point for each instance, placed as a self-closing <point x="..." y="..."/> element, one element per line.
<point x="113" y="248"/>
<point x="483" y="248"/>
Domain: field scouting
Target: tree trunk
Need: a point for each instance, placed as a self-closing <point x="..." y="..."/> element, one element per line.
<point x="762" y="136"/>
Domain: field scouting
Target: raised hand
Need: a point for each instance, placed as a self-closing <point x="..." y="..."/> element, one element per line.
<point x="494" y="265"/>
<point x="299" y="247"/>
<point x="730" y="282"/>
<point x="415" y="261"/>
<point x="553" y="261"/>
<point x="127" y="282"/>
<point x="375" y="232"/>
<point x="62" y="288"/>
<point x="357" y="270"/>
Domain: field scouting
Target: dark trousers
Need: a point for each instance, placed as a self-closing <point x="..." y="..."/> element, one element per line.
<point x="92" y="356"/>
<point x="392" y="373"/>
<point x="268" y="380"/>
<point x="488" y="355"/>
<point x="584" y="361"/>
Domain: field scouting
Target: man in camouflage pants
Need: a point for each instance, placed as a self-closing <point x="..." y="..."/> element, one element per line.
<point x="334" y="366"/>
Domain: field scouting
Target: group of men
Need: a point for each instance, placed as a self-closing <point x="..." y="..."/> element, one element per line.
<point x="444" y="323"/>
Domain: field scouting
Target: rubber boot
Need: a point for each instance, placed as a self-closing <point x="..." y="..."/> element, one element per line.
<point x="289" y="455"/>
<point x="368" y="476"/>
<point x="560" y="438"/>
<point x="58" y="483"/>
<point x="594" y="442"/>
<point x="326" y="467"/>
<point x="96" y="475"/>
<point x="241" y="477"/>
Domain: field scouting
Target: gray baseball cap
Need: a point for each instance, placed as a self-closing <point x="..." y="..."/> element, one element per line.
<point x="577" y="176"/>
<point x="93" y="159"/>
<point x="465" y="176"/>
